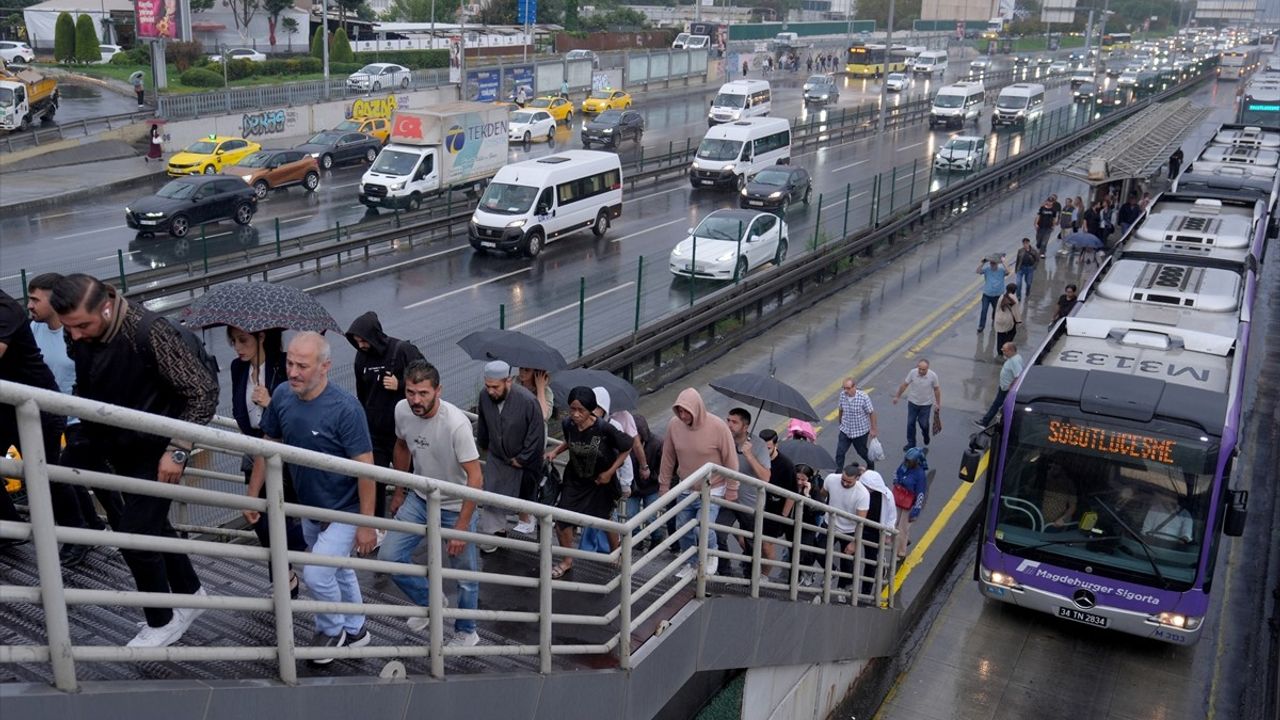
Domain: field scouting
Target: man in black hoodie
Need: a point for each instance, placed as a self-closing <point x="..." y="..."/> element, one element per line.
<point x="379" y="368"/>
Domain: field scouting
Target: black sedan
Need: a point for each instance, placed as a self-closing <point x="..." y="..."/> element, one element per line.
<point x="331" y="147"/>
<point x="1085" y="93"/>
<point x="187" y="202"/>
<point x="611" y="127"/>
<point x="775" y="188"/>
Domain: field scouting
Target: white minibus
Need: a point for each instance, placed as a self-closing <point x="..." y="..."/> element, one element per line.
<point x="731" y="152"/>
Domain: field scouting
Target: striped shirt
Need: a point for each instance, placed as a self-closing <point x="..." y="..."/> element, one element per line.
<point x="855" y="413"/>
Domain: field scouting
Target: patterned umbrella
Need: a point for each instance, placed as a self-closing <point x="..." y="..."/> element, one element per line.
<point x="257" y="306"/>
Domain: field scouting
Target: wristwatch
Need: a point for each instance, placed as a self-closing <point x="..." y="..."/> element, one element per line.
<point x="179" y="455"/>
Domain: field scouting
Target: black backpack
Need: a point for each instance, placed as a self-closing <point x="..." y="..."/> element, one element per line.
<point x="189" y="339"/>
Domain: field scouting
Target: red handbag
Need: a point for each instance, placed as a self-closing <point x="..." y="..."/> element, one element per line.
<point x="903" y="498"/>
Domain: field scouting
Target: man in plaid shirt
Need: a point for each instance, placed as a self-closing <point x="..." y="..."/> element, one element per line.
<point x="857" y="423"/>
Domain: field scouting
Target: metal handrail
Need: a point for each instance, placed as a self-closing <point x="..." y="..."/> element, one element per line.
<point x="634" y="605"/>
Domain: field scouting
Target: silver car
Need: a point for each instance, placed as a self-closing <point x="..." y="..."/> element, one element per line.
<point x="380" y="76"/>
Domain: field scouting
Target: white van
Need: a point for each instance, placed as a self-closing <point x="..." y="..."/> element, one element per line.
<point x="729" y="153"/>
<point x="681" y="40"/>
<point x="739" y="100"/>
<point x="930" y="62"/>
<point x="531" y="203"/>
<point x="957" y="104"/>
<point x="1019" y="104"/>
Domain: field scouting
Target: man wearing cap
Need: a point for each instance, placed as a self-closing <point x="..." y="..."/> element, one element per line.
<point x="993" y="270"/>
<point x="512" y="429"/>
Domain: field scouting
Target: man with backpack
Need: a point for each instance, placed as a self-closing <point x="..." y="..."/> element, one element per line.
<point x="379" y="367"/>
<point x="129" y="356"/>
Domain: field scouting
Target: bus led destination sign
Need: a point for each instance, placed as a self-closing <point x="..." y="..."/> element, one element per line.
<point x="1111" y="442"/>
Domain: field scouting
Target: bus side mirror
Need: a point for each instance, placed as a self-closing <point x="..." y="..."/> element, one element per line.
<point x="979" y="442"/>
<point x="1237" y="513"/>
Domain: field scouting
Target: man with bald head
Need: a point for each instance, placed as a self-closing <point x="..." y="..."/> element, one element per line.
<point x="312" y="414"/>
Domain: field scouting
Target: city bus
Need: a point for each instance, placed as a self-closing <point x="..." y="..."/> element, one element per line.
<point x="1109" y="481"/>
<point x="875" y="60"/>
<point x="1116" y="41"/>
<point x="1238" y="63"/>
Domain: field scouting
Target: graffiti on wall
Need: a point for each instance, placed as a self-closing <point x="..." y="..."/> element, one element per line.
<point x="373" y="107"/>
<point x="266" y="122"/>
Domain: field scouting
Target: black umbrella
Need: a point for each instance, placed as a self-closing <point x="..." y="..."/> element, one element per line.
<point x="622" y="394"/>
<point x="767" y="393"/>
<point x="257" y="306"/>
<point x="811" y="454"/>
<point x="514" y="348"/>
<point x="1085" y="240"/>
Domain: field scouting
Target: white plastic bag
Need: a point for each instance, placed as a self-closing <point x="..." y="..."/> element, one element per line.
<point x="875" y="450"/>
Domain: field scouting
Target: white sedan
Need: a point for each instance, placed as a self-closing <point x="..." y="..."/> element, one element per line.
<point x="529" y="125"/>
<point x="241" y="54"/>
<point x="728" y="244"/>
<point x="108" y="52"/>
<point x="12" y="51"/>
<point x="379" y="76"/>
<point x="896" y="82"/>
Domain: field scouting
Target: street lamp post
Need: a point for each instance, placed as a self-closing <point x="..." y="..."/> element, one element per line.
<point x="324" y="42"/>
<point x="888" y="53"/>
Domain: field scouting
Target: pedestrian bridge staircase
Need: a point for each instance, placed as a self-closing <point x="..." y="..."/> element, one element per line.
<point x="619" y="637"/>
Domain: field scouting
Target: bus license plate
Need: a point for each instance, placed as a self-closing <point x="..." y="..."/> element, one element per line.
<point x="1082" y="617"/>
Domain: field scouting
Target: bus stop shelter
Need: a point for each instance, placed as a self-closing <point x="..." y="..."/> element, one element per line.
<point x="1137" y="148"/>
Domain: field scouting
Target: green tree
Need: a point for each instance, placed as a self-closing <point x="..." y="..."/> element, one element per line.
<point x="242" y="13"/>
<point x="571" y="16"/>
<point x="348" y="7"/>
<point x="341" y="50"/>
<point x="619" y="18"/>
<point x="274" y="8"/>
<point x="87" y="49"/>
<point x="317" y="44"/>
<point x="501" y="12"/>
<point x="420" y="10"/>
<point x="905" y="12"/>
<point x="64" y="38"/>
<point x="290" y="26"/>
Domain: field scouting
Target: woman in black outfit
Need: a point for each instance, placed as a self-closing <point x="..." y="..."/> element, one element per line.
<point x="258" y="369"/>
<point x="596" y="450"/>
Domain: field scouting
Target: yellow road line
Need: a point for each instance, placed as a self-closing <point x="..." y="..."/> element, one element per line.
<point x="928" y="339"/>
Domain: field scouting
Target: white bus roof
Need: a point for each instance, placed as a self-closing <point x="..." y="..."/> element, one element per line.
<point x="1203" y="228"/>
<point x="750" y="127"/>
<point x="745" y="86"/>
<point x="538" y="170"/>
<point x="1240" y="155"/>
<point x="964" y="87"/>
<point x="1022" y="89"/>
<point x="1247" y="136"/>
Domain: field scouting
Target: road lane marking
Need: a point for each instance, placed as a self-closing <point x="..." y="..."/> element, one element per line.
<point x="916" y="556"/>
<point x="571" y="306"/>
<point x="87" y="232"/>
<point x="655" y="227"/>
<point x="297" y="219"/>
<point x="928" y="339"/>
<point x="846" y="167"/>
<point x="908" y="147"/>
<point x="375" y="271"/>
<point x="113" y="257"/>
<point x="472" y="286"/>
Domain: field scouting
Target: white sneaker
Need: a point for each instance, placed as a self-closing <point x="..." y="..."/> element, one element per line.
<point x="421" y="624"/>
<point x="713" y="565"/>
<point x="153" y="637"/>
<point x="462" y="639"/>
<point x="189" y="615"/>
<point x="526" y="528"/>
<point x="686" y="571"/>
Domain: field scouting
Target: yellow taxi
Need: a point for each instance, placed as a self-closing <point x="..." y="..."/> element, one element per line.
<point x="606" y="99"/>
<point x="374" y="127"/>
<point x="210" y="154"/>
<point x="561" y="110"/>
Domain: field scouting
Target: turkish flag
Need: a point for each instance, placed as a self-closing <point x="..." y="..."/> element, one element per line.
<point x="408" y="126"/>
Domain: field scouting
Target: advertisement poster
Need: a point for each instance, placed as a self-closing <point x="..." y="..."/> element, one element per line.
<point x="517" y="76"/>
<point x="158" y="19"/>
<point x="455" y="58"/>
<point x="482" y="85"/>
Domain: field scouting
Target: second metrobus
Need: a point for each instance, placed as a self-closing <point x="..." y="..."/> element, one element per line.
<point x="875" y="60"/>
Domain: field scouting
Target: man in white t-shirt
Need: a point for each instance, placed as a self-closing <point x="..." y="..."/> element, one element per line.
<point x="843" y="492"/>
<point x="924" y="397"/>
<point x="436" y="437"/>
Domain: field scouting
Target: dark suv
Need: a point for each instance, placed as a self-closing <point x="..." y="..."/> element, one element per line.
<point x="187" y="202"/>
<point x="611" y="127"/>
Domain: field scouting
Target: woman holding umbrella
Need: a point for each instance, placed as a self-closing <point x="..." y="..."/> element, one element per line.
<point x="596" y="451"/>
<point x="258" y="369"/>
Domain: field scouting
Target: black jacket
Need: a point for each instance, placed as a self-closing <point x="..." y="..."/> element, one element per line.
<point x="386" y="355"/>
<point x="273" y="375"/>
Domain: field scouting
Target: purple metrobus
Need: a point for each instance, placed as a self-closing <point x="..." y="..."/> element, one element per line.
<point x="1109" y="474"/>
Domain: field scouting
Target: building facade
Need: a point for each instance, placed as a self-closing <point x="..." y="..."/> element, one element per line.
<point x="1226" y="12"/>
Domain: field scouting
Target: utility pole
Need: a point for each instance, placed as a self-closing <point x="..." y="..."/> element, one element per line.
<point x="324" y="42"/>
<point x="888" y="55"/>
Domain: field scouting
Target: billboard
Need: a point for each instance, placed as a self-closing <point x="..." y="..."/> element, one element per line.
<point x="158" y="19"/>
<point x="1058" y="11"/>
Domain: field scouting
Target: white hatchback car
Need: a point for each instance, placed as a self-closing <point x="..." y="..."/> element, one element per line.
<point x="108" y="52"/>
<point x="530" y="125"/>
<point x="379" y="76"/>
<point x="962" y="153"/>
<point x="896" y="82"/>
<point x="12" y="51"/>
<point x="728" y="244"/>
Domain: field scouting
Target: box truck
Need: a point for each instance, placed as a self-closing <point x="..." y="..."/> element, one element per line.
<point x="457" y="146"/>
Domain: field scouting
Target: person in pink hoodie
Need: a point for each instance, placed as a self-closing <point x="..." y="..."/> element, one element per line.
<point x="694" y="438"/>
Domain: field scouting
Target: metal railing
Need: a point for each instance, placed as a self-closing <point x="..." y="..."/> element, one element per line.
<point x="72" y="129"/>
<point x="638" y="598"/>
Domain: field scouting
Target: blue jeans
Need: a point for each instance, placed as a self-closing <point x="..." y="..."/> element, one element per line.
<point x="995" y="406"/>
<point x="859" y="444"/>
<point x="690" y="538"/>
<point x="987" y="301"/>
<point x="399" y="547"/>
<point x="636" y="503"/>
<point x="917" y="416"/>
<point x="1024" y="280"/>
<point x="332" y="584"/>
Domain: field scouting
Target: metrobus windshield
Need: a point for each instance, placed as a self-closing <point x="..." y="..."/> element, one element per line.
<point x="1121" y="501"/>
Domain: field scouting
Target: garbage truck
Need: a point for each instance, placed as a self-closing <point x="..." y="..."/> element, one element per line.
<point x="27" y="97"/>
<point x="457" y="146"/>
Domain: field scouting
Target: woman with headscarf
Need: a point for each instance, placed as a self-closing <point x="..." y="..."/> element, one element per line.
<point x="258" y="369"/>
<point x="155" y="146"/>
<point x="911" y="475"/>
<point x="596" y="450"/>
<point x="1008" y="315"/>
